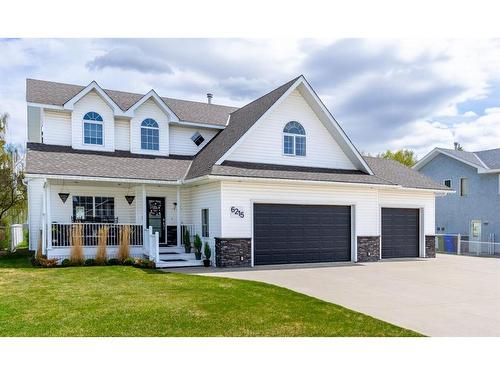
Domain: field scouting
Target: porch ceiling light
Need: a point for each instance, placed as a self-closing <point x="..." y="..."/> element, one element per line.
<point x="130" y="198"/>
<point x="64" y="196"/>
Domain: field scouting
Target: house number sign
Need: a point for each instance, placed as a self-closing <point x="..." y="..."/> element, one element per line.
<point x="237" y="212"/>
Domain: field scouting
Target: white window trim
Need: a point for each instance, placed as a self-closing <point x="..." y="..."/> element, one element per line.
<point x="147" y="150"/>
<point x="294" y="149"/>
<point x="83" y="132"/>
<point x="460" y="187"/>
<point x="208" y="222"/>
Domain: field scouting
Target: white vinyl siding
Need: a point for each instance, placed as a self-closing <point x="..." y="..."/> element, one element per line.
<point x="149" y="109"/>
<point x="180" y="139"/>
<point x="207" y="196"/>
<point x="92" y="102"/>
<point x="122" y="135"/>
<point x="62" y="212"/>
<point x="412" y="199"/>
<point x="56" y="128"/>
<point x="263" y="143"/>
<point x="243" y="195"/>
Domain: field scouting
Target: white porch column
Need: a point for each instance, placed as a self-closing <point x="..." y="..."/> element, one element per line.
<point x="178" y="212"/>
<point x="48" y="216"/>
<point x="43" y="221"/>
<point x="144" y="208"/>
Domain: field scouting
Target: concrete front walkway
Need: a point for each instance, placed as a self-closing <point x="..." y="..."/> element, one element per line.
<point x="446" y="296"/>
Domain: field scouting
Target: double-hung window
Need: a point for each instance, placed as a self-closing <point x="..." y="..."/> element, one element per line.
<point x="150" y="135"/>
<point x="294" y="139"/>
<point x="92" y="129"/>
<point x="89" y="209"/>
<point x="205" y="231"/>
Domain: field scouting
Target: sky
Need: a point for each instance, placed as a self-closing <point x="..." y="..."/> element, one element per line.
<point x="385" y="93"/>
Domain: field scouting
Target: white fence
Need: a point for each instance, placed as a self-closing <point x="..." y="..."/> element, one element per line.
<point x="15" y="234"/>
<point x="454" y="244"/>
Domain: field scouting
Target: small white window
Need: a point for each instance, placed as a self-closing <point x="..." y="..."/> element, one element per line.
<point x="464" y="186"/>
<point x="447" y="183"/>
<point x="294" y="139"/>
<point x="197" y="138"/>
<point x="205" y="232"/>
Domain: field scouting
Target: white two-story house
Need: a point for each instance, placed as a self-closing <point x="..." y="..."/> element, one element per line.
<point x="276" y="181"/>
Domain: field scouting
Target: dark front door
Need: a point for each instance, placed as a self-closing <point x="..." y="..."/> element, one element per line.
<point x="155" y="211"/>
<point x="287" y="233"/>
<point x="400" y="232"/>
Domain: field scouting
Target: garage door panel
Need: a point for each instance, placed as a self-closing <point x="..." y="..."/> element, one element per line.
<point x="301" y="233"/>
<point x="400" y="232"/>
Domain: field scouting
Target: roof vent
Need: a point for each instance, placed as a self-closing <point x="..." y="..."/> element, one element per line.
<point x="197" y="138"/>
<point x="209" y="98"/>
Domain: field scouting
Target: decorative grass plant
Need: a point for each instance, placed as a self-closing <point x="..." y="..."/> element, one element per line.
<point x="101" y="256"/>
<point x="76" y="254"/>
<point x="124" y="248"/>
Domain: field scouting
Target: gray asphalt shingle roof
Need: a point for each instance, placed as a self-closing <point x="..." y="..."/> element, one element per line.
<point x="464" y="155"/>
<point x="387" y="172"/>
<point x="491" y="158"/>
<point x="397" y="173"/>
<point x="54" y="93"/>
<point x="63" y="160"/>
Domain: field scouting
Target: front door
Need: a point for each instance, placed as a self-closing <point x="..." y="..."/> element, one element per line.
<point x="156" y="215"/>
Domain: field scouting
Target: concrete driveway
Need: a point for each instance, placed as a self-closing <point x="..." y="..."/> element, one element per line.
<point x="446" y="296"/>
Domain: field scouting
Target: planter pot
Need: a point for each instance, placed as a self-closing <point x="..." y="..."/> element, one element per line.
<point x="197" y="256"/>
<point x="188" y="249"/>
<point x="206" y="262"/>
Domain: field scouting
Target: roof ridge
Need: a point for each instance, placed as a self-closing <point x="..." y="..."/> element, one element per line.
<point x="82" y="87"/>
<point x="270" y="92"/>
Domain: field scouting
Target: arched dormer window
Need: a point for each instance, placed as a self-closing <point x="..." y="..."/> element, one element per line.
<point x="92" y="129"/>
<point x="294" y="139"/>
<point x="150" y="135"/>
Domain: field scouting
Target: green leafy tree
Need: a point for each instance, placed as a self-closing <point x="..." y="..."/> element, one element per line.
<point x="12" y="188"/>
<point x="405" y="157"/>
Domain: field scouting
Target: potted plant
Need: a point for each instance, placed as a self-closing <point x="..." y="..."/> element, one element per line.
<point x="187" y="241"/>
<point x="208" y="254"/>
<point x="197" y="247"/>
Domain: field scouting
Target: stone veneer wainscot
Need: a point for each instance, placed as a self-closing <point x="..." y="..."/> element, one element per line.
<point x="233" y="252"/>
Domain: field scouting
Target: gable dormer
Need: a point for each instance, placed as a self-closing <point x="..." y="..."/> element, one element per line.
<point x="92" y="122"/>
<point x="292" y="134"/>
<point x="149" y="129"/>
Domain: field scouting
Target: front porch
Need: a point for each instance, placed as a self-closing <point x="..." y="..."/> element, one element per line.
<point x="153" y="214"/>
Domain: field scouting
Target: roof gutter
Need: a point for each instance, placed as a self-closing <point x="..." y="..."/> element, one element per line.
<point x="102" y="179"/>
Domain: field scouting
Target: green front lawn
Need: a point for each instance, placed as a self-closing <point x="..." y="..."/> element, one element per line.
<point x="126" y="301"/>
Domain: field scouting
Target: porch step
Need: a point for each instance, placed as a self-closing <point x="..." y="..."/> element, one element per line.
<point x="169" y="256"/>
<point x="179" y="263"/>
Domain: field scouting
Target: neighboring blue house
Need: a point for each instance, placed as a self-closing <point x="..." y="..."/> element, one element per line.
<point x="474" y="209"/>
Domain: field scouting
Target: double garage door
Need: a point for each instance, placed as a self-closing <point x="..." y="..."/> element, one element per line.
<point x="287" y="233"/>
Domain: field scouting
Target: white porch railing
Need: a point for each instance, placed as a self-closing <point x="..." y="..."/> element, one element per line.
<point x="62" y="233"/>
<point x="151" y="245"/>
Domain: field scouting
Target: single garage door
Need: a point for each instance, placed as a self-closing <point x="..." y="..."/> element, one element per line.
<point x="400" y="232"/>
<point x="286" y="233"/>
